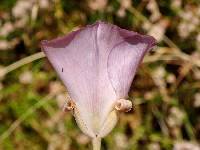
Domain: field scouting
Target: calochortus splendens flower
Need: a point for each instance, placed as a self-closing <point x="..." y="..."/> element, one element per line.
<point x="97" y="65"/>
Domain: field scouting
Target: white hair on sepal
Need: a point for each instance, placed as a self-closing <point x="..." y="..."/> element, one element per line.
<point x="123" y="105"/>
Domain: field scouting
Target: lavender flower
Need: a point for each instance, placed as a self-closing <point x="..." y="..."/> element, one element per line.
<point x="97" y="65"/>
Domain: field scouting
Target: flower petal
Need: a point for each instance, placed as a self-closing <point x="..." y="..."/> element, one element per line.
<point x="81" y="64"/>
<point x="124" y="60"/>
<point x="75" y="59"/>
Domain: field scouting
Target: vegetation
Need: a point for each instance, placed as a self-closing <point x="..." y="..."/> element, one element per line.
<point x="165" y="91"/>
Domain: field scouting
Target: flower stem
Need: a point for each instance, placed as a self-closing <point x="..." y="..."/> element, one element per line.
<point x="24" y="61"/>
<point x="96" y="142"/>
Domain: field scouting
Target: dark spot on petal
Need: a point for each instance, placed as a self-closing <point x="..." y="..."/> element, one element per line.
<point x="62" y="69"/>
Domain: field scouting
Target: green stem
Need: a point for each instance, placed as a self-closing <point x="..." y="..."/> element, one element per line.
<point x="23" y="61"/>
<point x="96" y="142"/>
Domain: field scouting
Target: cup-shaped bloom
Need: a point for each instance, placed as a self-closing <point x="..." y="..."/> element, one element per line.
<point x="97" y="65"/>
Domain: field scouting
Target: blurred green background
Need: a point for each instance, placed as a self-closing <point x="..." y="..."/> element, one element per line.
<point x="165" y="91"/>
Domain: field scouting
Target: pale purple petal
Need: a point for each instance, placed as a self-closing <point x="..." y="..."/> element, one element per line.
<point x="124" y="60"/>
<point x="75" y="61"/>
